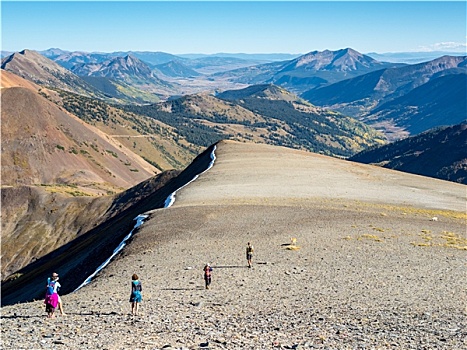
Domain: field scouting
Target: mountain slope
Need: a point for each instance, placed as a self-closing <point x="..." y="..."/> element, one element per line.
<point x="441" y="101"/>
<point x="42" y="144"/>
<point x="8" y="79"/>
<point x="176" y="69"/>
<point x="70" y="166"/>
<point x="156" y="142"/>
<point x="121" y="92"/>
<point x="208" y="107"/>
<point x="439" y="153"/>
<point x="57" y="172"/>
<point x="38" y="220"/>
<point x="265" y="91"/>
<point x="346" y="91"/>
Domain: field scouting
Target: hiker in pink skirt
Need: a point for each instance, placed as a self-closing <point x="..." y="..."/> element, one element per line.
<point x="51" y="295"/>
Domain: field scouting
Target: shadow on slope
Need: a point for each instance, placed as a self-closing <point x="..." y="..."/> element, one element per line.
<point x="439" y="153"/>
<point x="37" y="221"/>
<point x="78" y="259"/>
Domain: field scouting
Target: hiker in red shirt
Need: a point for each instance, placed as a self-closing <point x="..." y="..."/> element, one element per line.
<point x="207" y="275"/>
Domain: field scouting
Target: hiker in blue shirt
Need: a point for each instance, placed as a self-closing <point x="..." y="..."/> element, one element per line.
<point x="52" y="299"/>
<point x="136" y="297"/>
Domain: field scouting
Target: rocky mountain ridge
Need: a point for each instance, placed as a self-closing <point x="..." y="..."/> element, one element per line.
<point x="34" y="67"/>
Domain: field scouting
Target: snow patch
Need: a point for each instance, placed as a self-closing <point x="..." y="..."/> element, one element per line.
<point x="139" y="221"/>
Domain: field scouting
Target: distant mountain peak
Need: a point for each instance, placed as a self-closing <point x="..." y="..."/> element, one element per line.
<point x="341" y="60"/>
<point x="351" y="51"/>
<point x="28" y="52"/>
<point x="128" y="64"/>
<point x="264" y="91"/>
<point x="130" y="57"/>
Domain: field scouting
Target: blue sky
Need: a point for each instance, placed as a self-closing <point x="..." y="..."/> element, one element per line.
<point x="243" y="26"/>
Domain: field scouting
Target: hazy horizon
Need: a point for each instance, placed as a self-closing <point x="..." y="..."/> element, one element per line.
<point x="244" y="53"/>
<point x="215" y="27"/>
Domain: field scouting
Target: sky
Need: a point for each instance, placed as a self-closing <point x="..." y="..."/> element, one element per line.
<point x="208" y="27"/>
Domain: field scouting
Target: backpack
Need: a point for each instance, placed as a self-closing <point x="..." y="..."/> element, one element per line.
<point x="50" y="287"/>
<point x="137" y="285"/>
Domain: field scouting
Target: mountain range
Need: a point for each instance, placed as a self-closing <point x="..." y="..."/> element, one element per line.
<point x="297" y="75"/>
<point x="388" y="83"/>
<point x="308" y="71"/>
<point x="298" y="124"/>
<point x="343" y="80"/>
<point x="399" y="100"/>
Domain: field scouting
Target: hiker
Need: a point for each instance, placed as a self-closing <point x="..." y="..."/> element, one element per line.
<point x="207" y="275"/>
<point x="52" y="299"/>
<point x="136" y="297"/>
<point x="57" y="286"/>
<point x="249" y="253"/>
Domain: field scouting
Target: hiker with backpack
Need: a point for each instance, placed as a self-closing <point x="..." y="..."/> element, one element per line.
<point x="207" y="275"/>
<point x="52" y="299"/>
<point x="136" y="297"/>
<point x="249" y="254"/>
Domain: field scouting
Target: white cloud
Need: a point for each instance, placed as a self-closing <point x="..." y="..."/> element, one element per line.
<point x="445" y="46"/>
